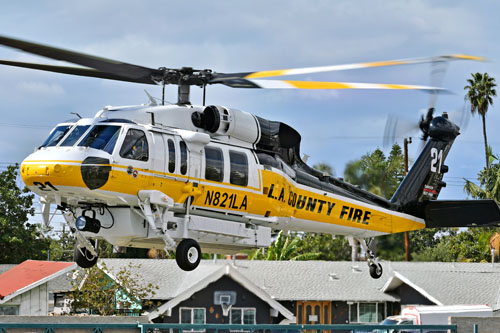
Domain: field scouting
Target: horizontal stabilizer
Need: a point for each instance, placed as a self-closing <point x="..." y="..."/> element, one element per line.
<point x="461" y="213"/>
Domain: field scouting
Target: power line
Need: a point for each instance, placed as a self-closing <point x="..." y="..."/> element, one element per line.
<point x="25" y="126"/>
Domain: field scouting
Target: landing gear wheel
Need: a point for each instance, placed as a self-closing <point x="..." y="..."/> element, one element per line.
<point x="375" y="271"/>
<point x="188" y="254"/>
<point x="83" y="257"/>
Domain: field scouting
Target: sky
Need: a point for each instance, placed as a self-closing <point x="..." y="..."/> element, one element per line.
<point x="237" y="36"/>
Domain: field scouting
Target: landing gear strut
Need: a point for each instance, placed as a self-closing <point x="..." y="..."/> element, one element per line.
<point x="84" y="257"/>
<point x="188" y="254"/>
<point x="373" y="264"/>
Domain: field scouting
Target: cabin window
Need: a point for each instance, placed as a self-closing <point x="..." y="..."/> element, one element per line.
<point x="242" y="316"/>
<point x="75" y="134"/>
<point x="102" y="137"/>
<point x="239" y="168"/>
<point x="171" y="156"/>
<point x="214" y="164"/>
<point x="184" y="154"/>
<point x="192" y="316"/>
<point x="135" y="146"/>
<point x="56" y="135"/>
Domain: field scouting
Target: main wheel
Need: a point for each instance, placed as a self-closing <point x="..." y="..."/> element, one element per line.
<point x="85" y="259"/>
<point x="188" y="254"/>
<point x="375" y="271"/>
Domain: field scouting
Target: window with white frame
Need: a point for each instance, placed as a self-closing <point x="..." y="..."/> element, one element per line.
<point x="192" y="316"/>
<point x="366" y="312"/>
<point x="245" y="316"/>
<point x="9" y="310"/>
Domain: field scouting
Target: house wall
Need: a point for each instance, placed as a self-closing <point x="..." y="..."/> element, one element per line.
<point x="213" y="313"/>
<point x="410" y="296"/>
<point x="34" y="302"/>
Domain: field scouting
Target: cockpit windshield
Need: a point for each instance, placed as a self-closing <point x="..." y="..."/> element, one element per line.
<point x="56" y="135"/>
<point x="102" y="137"/>
<point x="75" y="134"/>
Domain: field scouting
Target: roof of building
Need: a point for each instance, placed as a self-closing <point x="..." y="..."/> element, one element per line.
<point x="28" y="275"/>
<point x="442" y="283"/>
<point x="233" y="273"/>
<point x="6" y="267"/>
<point x="449" y="283"/>
<point x="281" y="280"/>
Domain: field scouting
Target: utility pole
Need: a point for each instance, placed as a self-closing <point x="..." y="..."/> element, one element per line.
<point x="405" y="172"/>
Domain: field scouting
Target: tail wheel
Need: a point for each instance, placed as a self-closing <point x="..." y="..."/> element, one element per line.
<point x="83" y="257"/>
<point x="188" y="254"/>
<point x="375" y="271"/>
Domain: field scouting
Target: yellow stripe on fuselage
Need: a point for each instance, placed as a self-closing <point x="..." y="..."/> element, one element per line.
<point x="276" y="196"/>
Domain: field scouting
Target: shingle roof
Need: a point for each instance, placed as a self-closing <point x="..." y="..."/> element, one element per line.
<point x="282" y="280"/>
<point x="454" y="283"/>
<point x="448" y="283"/>
<point x="29" y="274"/>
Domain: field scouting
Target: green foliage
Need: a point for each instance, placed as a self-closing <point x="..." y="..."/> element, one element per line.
<point x="325" y="246"/>
<point x="94" y="291"/>
<point x="381" y="175"/>
<point x="488" y="178"/>
<point x="19" y="240"/>
<point x="326" y="168"/>
<point x="471" y="245"/>
<point x="377" y="173"/>
<point x="480" y="93"/>
<point x="62" y="246"/>
<point x="283" y="248"/>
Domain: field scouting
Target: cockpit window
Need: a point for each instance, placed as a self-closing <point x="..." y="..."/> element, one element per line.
<point x="75" y="134"/>
<point x="135" y="146"/>
<point x="56" y="135"/>
<point x="102" y="137"/>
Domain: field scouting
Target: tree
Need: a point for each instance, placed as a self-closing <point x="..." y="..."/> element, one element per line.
<point x="480" y="93"/>
<point x="381" y="175"/>
<point x="283" y="248"/>
<point x="471" y="245"/>
<point x="325" y="167"/>
<point x="325" y="246"/>
<point x="489" y="179"/>
<point x="19" y="239"/>
<point x="95" y="291"/>
<point x="376" y="173"/>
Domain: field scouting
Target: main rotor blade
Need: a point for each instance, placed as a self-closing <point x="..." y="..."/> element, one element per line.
<point x="75" y="71"/>
<point x="218" y="77"/>
<point x="286" y="84"/>
<point x="114" y="67"/>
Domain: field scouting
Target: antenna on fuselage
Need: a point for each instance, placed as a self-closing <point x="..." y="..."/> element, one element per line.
<point x="76" y="114"/>
<point x="151" y="99"/>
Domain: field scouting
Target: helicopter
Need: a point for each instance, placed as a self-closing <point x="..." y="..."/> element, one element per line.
<point x="190" y="177"/>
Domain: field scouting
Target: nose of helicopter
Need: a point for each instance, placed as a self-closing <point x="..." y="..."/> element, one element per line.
<point x="51" y="175"/>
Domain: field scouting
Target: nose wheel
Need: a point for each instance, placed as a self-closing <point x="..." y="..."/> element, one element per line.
<point x="188" y="254"/>
<point x="83" y="257"/>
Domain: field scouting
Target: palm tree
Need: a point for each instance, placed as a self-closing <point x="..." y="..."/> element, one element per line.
<point x="480" y="93"/>
<point x="489" y="180"/>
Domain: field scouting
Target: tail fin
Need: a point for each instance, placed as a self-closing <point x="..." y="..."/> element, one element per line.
<point x="425" y="179"/>
<point x="419" y="190"/>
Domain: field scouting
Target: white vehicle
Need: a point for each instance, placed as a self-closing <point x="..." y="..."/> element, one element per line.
<point x="436" y="315"/>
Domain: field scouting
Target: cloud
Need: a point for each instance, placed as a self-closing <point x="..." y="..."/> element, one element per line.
<point x="40" y="89"/>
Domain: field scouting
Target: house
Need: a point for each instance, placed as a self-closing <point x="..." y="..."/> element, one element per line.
<point x="24" y="288"/>
<point x="266" y="292"/>
<point x="269" y="292"/>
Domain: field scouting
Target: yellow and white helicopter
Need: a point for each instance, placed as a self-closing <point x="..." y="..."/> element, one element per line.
<point x="189" y="177"/>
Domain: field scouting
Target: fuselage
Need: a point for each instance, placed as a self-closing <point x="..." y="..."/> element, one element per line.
<point x="107" y="160"/>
